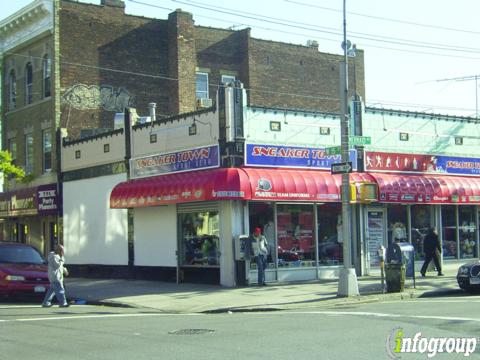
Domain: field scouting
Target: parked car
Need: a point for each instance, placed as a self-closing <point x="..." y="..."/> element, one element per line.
<point x="468" y="276"/>
<point x="23" y="270"/>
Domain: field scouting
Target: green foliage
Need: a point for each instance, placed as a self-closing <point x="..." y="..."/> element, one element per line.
<point x="7" y="168"/>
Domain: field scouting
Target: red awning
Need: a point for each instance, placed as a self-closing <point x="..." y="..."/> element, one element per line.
<point x="231" y="183"/>
<point x="428" y="189"/>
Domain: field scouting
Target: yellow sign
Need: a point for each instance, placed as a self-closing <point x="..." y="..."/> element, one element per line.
<point x="364" y="192"/>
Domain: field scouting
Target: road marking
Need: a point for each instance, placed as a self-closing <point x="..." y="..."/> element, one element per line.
<point x="81" y="317"/>
<point x="383" y="315"/>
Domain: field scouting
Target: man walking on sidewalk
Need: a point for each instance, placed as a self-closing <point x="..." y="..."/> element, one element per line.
<point x="432" y="249"/>
<point x="56" y="271"/>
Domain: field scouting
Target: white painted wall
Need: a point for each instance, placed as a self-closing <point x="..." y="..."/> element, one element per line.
<point x="156" y="236"/>
<point x="94" y="233"/>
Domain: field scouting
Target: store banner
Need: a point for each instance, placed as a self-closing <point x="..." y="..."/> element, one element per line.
<point x="48" y="202"/>
<point x="293" y="157"/>
<point x="200" y="158"/>
<point x="421" y="163"/>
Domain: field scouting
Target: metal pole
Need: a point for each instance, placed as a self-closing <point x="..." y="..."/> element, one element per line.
<point x="347" y="282"/>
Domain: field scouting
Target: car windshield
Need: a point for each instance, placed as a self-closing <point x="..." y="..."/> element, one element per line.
<point x="20" y="255"/>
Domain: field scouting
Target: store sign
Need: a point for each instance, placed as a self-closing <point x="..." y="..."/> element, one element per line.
<point x="167" y="163"/>
<point x="421" y="163"/>
<point x="293" y="157"/>
<point x="47" y="200"/>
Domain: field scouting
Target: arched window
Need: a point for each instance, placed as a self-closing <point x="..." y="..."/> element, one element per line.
<point x="47" y="76"/>
<point x="12" y="90"/>
<point x="28" y="84"/>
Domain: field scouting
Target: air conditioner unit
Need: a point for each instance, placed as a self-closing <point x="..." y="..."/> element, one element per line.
<point x="204" y="103"/>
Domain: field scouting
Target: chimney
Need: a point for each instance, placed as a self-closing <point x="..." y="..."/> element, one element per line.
<point x="113" y="3"/>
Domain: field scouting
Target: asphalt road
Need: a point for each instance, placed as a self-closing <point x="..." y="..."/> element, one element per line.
<point x="359" y="331"/>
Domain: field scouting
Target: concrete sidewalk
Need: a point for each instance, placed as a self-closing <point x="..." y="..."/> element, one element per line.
<point x="197" y="298"/>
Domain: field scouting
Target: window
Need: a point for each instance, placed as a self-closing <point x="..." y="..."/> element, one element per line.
<point x="47" y="151"/>
<point x="330" y="234"/>
<point x="467" y="231"/>
<point x="201" y="86"/>
<point x="449" y="232"/>
<point x="12" y="149"/>
<point x="199" y="238"/>
<point x="47" y="76"/>
<point x="28" y="84"/>
<point x="227" y="79"/>
<point x="28" y="153"/>
<point x="12" y="91"/>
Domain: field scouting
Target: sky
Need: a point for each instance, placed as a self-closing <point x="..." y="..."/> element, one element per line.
<point x="420" y="55"/>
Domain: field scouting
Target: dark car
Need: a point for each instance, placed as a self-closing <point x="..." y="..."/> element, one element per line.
<point x="468" y="276"/>
<point x="23" y="270"/>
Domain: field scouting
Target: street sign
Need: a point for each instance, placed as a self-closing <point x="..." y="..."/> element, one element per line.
<point x="359" y="140"/>
<point x="334" y="150"/>
<point x="342" y="168"/>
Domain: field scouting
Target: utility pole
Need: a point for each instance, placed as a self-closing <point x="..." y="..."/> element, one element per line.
<point x="347" y="282"/>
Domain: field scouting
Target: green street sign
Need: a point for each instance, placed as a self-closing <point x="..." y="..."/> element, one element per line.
<point x="359" y="140"/>
<point x="334" y="150"/>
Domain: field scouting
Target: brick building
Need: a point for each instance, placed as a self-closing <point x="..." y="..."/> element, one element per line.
<point x="68" y="67"/>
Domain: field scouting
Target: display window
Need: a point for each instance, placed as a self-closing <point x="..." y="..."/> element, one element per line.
<point x="421" y="219"/>
<point x="467" y="232"/>
<point x="295" y="246"/>
<point x="199" y="237"/>
<point x="261" y="216"/>
<point x="449" y="232"/>
<point x="330" y="234"/>
<point x="397" y="223"/>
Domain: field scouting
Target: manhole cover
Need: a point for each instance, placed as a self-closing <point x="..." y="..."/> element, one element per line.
<point x="191" y="331"/>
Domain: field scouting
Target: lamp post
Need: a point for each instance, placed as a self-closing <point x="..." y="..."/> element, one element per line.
<point x="347" y="282"/>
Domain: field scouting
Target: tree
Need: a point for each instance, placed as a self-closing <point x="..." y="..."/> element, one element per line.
<point x="9" y="169"/>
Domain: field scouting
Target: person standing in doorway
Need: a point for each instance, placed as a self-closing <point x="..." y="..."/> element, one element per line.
<point x="56" y="272"/>
<point x="259" y="249"/>
<point x="432" y="249"/>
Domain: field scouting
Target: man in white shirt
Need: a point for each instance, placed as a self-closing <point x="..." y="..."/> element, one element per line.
<point x="259" y="248"/>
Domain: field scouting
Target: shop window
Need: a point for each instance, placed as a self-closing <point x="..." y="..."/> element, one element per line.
<point x="28" y="84"/>
<point x="201" y="85"/>
<point x="199" y="238"/>
<point x="330" y="234"/>
<point x="422" y="220"/>
<point x="467" y="232"/>
<point x="47" y="150"/>
<point x="47" y="76"/>
<point x="295" y="235"/>
<point x="397" y="223"/>
<point x="449" y="232"/>
<point x="261" y="215"/>
<point x="12" y="91"/>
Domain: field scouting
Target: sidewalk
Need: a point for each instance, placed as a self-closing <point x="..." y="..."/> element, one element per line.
<point x="198" y="298"/>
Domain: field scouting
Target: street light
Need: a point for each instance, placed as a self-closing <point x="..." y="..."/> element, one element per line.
<point x="347" y="282"/>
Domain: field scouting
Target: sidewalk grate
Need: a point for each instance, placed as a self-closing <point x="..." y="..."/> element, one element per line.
<point x="191" y="332"/>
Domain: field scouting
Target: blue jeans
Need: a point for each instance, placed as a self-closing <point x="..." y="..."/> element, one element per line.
<point x="57" y="289"/>
<point x="261" y="261"/>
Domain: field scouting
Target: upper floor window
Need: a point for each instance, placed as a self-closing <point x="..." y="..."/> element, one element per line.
<point x="228" y="79"/>
<point x="47" y="150"/>
<point x="28" y="84"/>
<point x="201" y="85"/>
<point x="47" y="76"/>
<point x="12" y="90"/>
<point x="12" y="149"/>
<point x="28" y="153"/>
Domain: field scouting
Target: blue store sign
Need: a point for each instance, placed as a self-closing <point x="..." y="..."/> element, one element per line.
<point x="293" y="157"/>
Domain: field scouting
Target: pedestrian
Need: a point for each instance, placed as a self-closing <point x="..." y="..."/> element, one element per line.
<point x="56" y="272"/>
<point x="432" y="249"/>
<point x="259" y="249"/>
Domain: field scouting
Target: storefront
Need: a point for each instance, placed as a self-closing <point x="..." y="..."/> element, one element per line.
<point x="426" y="191"/>
<point x="30" y="216"/>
